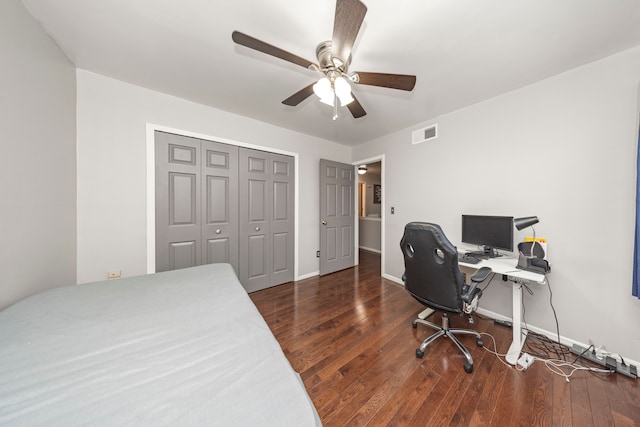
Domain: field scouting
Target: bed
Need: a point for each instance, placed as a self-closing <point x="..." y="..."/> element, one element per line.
<point x="184" y="347"/>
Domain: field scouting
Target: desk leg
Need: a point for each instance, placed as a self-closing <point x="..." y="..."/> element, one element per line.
<point x="518" y="335"/>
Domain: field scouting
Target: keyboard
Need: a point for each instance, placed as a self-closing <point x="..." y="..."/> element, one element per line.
<point x="468" y="259"/>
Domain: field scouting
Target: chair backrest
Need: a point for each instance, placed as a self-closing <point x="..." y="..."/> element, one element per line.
<point x="432" y="275"/>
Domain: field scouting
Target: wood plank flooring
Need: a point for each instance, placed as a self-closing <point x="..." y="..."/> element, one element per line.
<point x="349" y="336"/>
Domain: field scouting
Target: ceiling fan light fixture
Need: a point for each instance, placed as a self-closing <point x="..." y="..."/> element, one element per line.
<point x="323" y="89"/>
<point x="342" y="86"/>
<point x="345" y="100"/>
<point x="343" y="90"/>
<point x="362" y="169"/>
<point x="328" y="100"/>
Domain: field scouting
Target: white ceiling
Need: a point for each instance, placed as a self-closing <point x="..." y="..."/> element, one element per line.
<point x="462" y="51"/>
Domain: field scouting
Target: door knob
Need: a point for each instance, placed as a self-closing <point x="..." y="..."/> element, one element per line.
<point x="218" y="231"/>
<point x="257" y="228"/>
<point x="324" y="222"/>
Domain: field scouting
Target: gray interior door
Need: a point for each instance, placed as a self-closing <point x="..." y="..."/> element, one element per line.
<point x="196" y="202"/>
<point x="337" y="219"/>
<point x="266" y="219"/>
<point x="178" y="209"/>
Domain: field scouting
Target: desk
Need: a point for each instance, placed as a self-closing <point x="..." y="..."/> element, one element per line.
<point x="507" y="267"/>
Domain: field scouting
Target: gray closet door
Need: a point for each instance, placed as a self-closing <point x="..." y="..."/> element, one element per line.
<point x="178" y="209"/>
<point x="282" y="221"/>
<point x="337" y="219"/>
<point x="219" y="203"/>
<point x="196" y="202"/>
<point x="255" y="194"/>
<point x="266" y="219"/>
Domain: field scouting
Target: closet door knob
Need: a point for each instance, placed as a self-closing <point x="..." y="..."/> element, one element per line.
<point x="218" y="231"/>
<point x="324" y="222"/>
<point x="257" y="228"/>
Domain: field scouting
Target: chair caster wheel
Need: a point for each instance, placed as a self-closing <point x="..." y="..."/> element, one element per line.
<point x="479" y="342"/>
<point x="468" y="368"/>
<point x="414" y="325"/>
<point x="419" y="353"/>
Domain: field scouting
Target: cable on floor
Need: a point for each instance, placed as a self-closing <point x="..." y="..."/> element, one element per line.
<point x="556" y="366"/>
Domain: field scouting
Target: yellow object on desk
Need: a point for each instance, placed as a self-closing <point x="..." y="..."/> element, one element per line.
<point x="542" y="241"/>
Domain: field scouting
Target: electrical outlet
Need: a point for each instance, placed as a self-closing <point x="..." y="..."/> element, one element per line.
<point x="525" y="361"/>
<point x="113" y="275"/>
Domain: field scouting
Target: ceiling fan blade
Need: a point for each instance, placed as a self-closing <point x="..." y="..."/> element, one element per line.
<point x="299" y="96"/>
<point x="356" y="109"/>
<point x="346" y="25"/>
<point x="260" y="46"/>
<point x="392" y="81"/>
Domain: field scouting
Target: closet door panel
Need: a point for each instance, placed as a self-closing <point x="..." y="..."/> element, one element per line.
<point x="282" y="222"/>
<point x="220" y="203"/>
<point x="182" y="255"/>
<point x="178" y="204"/>
<point x="255" y="196"/>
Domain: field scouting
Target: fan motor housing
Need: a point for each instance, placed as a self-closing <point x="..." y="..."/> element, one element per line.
<point x="328" y="62"/>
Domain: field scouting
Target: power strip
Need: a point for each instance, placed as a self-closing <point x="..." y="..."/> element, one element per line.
<point x="608" y="362"/>
<point x="525" y="361"/>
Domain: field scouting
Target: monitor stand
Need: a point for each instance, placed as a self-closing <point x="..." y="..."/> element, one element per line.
<point x="487" y="252"/>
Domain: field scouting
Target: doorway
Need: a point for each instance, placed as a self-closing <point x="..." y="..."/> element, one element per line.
<point x="370" y="207"/>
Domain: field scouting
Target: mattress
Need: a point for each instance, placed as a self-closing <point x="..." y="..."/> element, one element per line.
<point x="185" y="347"/>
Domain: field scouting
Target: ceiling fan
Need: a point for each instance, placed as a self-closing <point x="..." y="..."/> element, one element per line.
<point x="334" y="57"/>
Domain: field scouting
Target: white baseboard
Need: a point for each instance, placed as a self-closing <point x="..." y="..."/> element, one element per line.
<point x="393" y="279"/>
<point x="307" y="276"/>
<point x="377" y="251"/>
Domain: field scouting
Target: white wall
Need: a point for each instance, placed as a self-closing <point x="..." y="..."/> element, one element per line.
<point x="112" y="169"/>
<point x="369" y="234"/>
<point x="38" y="179"/>
<point x="563" y="149"/>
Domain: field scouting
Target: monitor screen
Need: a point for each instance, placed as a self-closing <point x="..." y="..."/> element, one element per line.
<point x="492" y="232"/>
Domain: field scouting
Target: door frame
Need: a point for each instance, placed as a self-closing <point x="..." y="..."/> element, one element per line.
<point x="151" y="128"/>
<point x="383" y="211"/>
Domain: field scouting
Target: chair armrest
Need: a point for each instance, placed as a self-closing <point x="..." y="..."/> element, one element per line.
<point x="478" y="277"/>
<point x="481" y="275"/>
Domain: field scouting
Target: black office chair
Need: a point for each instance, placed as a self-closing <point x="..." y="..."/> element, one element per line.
<point x="432" y="277"/>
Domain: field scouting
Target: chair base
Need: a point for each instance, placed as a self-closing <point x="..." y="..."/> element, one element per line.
<point x="446" y="331"/>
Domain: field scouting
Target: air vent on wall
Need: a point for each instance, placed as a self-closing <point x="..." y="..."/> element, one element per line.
<point x="425" y="134"/>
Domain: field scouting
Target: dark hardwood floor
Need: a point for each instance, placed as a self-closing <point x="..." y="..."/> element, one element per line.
<point x="349" y="336"/>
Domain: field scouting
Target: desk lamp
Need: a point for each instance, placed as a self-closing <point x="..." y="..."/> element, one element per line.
<point x="530" y="262"/>
<point x="524" y="222"/>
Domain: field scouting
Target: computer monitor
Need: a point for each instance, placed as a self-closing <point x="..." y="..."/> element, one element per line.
<point x="491" y="232"/>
